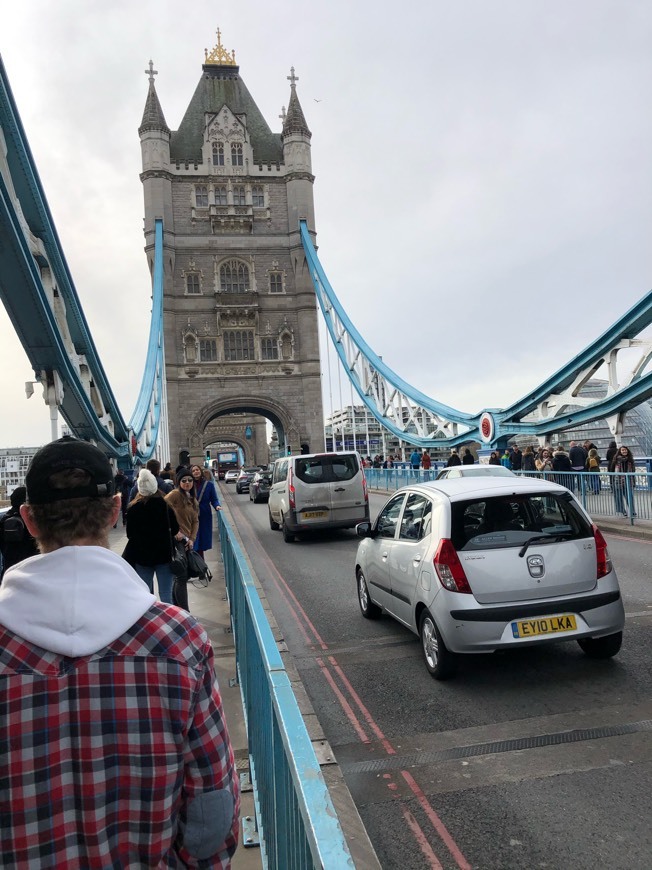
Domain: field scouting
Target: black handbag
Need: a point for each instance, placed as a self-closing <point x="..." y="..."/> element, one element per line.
<point x="197" y="568"/>
<point x="179" y="563"/>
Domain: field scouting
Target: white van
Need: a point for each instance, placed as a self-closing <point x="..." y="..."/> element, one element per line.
<point x="318" y="491"/>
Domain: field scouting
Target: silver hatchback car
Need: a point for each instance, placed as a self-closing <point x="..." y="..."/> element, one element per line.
<point x="472" y="565"/>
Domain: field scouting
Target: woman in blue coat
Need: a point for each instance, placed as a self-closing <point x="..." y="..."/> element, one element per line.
<point x="206" y="495"/>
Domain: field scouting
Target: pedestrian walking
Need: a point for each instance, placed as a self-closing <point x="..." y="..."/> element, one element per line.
<point x="517" y="458"/>
<point x="453" y="459"/>
<point x="561" y="465"/>
<point x="593" y="465"/>
<point x="184" y="504"/>
<point x="152" y="528"/>
<point x="207" y="499"/>
<point x="494" y="458"/>
<point x="506" y="460"/>
<point x="467" y="457"/>
<point x="621" y="466"/>
<point x="577" y="456"/>
<point x="16" y="542"/>
<point x="115" y="752"/>
<point x="611" y="452"/>
<point x="528" y="463"/>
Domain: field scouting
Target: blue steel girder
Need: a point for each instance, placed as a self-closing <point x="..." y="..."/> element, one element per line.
<point x="400" y="408"/>
<point x="146" y="418"/>
<point x="38" y="292"/>
<point x="554" y="406"/>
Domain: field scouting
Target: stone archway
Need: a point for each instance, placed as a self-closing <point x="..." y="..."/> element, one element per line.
<point x="287" y="428"/>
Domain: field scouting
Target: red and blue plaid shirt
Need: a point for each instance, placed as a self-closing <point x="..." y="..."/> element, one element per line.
<point x="101" y="755"/>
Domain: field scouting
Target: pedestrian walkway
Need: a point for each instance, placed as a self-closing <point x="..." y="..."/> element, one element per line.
<point x="621" y="526"/>
<point x="211" y="608"/>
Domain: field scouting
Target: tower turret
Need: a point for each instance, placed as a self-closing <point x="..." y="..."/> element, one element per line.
<point x="155" y="149"/>
<point x="296" y="156"/>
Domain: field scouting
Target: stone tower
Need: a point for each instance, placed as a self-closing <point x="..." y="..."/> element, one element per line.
<point x="240" y="316"/>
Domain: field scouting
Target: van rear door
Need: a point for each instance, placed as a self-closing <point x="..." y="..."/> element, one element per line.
<point x="348" y="501"/>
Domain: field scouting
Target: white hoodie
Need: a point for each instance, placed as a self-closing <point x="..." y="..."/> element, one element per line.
<point x="73" y="601"/>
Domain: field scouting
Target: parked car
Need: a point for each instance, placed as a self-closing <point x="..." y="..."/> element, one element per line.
<point x="317" y="491"/>
<point x="474" y="471"/>
<point x="231" y="475"/>
<point x="243" y="481"/>
<point x="474" y="565"/>
<point x="260" y="486"/>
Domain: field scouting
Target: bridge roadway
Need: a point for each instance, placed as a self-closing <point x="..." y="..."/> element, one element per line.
<point x="402" y="739"/>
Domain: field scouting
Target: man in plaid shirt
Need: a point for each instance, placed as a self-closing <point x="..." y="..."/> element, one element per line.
<point x="114" y="752"/>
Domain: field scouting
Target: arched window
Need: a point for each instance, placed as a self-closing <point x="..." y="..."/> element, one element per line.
<point x="268" y="348"/>
<point x="220" y="196"/>
<point x="218" y="153"/>
<point x="236" y="154"/>
<point x="192" y="284"/>
<point x="234" y="277"/>
<point x="201" y="196"/>
<point x="207" y="350"/>
<point x="239" y="197"/>
<point x="257" y="197"/>
<point x="238" y="344"/>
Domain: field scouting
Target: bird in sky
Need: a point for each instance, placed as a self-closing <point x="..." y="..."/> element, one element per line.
<point x="316" y="100"/>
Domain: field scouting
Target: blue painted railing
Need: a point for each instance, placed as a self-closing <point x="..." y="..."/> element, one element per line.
<point x="602" y="494"/>
<point x="297" y="823"/>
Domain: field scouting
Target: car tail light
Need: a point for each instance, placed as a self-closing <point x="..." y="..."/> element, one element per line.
<point x="449" y="568"/>
<point x="602" y="553"/>
<point x="291" y="491"/>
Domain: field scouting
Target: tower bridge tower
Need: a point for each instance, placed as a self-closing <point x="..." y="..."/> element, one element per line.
<point x="240" y="317"/>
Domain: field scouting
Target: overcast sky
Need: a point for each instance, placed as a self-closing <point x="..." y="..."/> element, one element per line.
<point x="483" y="181"/>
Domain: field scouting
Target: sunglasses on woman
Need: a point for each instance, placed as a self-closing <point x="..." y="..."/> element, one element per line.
<point x="186" y="480"/>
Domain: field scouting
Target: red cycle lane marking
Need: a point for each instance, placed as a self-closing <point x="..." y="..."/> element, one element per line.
<point x="432" y="815"/>
<point x="353" y="719"/>
<point x="421" y="839"/>
<point x="439" y="826"/>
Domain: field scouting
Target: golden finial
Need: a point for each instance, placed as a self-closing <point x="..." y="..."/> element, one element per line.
<point x="219" y="56"/>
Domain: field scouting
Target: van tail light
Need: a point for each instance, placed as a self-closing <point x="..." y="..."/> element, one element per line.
<point x="291" y="491"/>
<point x="449" y="568"/>
<point x="365" y="493"/>
<point x="602" y="553"/>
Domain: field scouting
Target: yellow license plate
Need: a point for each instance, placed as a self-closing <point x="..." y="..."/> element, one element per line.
<point x="545" y="625"/>
<point x="313" y="515"/>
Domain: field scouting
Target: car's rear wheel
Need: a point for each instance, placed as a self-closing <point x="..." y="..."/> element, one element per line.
<point x="440" y="661"/>
<point x="288" y="536"/>
<point x="274" y="526"/>
<point x="602" y="647"/>
<point x="367" y="607"/>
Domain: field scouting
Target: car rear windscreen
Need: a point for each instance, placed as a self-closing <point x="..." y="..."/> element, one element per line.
<point x="511" y="520"/>
<point x="327" y="468"/>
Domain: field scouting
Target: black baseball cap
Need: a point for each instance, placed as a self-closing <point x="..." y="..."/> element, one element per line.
<point x="68" y="453"/>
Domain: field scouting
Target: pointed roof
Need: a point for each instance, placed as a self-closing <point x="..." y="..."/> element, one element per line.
<point x="153" y="118"/>
<point x="295" y="121"/>
<point x="219" y="86"/>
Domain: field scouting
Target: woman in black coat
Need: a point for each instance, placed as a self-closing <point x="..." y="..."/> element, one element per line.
<point x="151" y="527"/>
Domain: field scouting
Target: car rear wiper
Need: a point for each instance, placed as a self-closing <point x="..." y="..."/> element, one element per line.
<point x="561" y="536"/>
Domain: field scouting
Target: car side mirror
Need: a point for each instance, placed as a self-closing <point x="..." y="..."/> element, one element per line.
<point x="363" y="530"/>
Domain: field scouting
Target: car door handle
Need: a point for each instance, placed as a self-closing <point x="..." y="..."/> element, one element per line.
<point x="339" y="489"/>
<point x="417" y="559"/>
<point x="384" y="555"/>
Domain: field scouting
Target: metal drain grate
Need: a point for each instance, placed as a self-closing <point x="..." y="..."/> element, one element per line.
<point x="398" y="762"/>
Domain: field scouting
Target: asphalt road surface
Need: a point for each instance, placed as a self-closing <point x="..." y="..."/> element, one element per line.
<point x="532" y="758"/>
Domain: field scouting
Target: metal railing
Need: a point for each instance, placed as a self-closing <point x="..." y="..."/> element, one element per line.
<point x="297" y="824"/>
<point x="601" y="493"/>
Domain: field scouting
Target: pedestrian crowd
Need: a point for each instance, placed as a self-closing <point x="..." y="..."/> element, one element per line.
<point x="116" y="751"/>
